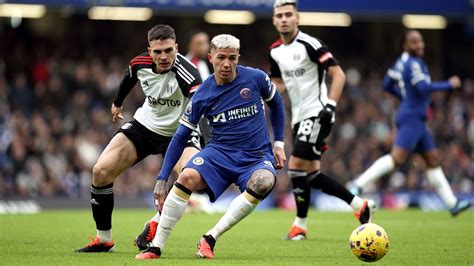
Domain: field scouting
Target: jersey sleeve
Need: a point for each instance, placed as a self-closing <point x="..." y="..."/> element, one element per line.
<point x="266" y="87"/>
<point x="187" y="75"/>
<point x="274" y="68"/>
<point x="130" y="78"/>
<point x="193" y="112"/>
<point x="319" y="53"/>
<point x="415" y="73"/>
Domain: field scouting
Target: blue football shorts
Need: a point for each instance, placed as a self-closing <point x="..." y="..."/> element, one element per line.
<point x="414" y="136"/>
<point x="221" y="167"/>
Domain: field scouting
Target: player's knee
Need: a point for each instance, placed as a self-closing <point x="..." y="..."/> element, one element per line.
<point x="261" y="184"/>
<point x="189" y="179"/>
<point x="100" y="175"/>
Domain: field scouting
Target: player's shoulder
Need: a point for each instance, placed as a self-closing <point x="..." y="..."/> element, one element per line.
<point x="276" y="44"/>
<point x="307" y="39"/>
<point x="413" y="63"/>
<point x="251" y="71"/>
<point x="143" y="60"/>
<point x="182" y="62"/>
<point x="205" y="88"/>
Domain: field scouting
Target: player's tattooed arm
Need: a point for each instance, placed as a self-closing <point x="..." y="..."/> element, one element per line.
<point x="261" y="182"/>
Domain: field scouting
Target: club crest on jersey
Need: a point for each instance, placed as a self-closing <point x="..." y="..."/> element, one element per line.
<point x="296" y="57"/>
<point x="245" y="93"/>
<point x="198" y="161"/>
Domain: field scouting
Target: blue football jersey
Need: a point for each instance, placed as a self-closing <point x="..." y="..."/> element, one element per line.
<point x="413" y="79"/>
<point x="235" y="110"/>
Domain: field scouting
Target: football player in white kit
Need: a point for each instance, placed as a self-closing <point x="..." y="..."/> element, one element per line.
<point x="167" y="79"/>
<point x="299" y="63"/>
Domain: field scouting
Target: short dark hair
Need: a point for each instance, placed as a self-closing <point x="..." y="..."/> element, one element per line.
<point x="403" y="38"/>
<point x="161" y="32"/>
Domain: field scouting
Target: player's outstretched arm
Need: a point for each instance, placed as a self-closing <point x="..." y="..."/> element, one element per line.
<point x="437" y="86"/>
<point x="116" y="112"/>
<point x="337" y="84"/>
<point x="174" y="151"/>
<point x="277" y="119"/>
<point x="126" y="85"/>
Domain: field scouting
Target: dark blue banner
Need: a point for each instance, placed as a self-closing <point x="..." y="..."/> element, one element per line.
<point x="363" y="7"/>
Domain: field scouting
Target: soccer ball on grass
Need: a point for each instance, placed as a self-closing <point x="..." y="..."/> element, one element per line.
<point x="369" y="242"/>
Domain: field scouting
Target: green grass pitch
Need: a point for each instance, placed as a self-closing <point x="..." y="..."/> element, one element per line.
<point x="416" y="238"/>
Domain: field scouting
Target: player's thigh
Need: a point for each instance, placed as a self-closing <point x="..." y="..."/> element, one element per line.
<point x="119" y="155"/>
<point x="427" y="150"/>
<point x="303" y="164"/>
<point x="216" y="169"/>
<point x="408" y="135"/>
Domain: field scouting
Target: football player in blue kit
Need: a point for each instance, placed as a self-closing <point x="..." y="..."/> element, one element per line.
<point x="240" y="151"/>
<point x="409" y="80"/>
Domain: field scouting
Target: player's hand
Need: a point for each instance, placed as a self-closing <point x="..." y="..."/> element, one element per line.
<point x="159" y="193"/>
<point x="455" y="82"/>
<point x="325" y="116"/>
<point x="280" y="157"/>
<point x="116" y="112"/>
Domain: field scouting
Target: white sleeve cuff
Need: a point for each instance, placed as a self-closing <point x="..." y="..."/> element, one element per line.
<point x="279" y="144"/>
<point x="331" y="102"/>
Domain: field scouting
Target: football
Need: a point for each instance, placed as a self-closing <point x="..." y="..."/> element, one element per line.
<point x="369" y="242"/>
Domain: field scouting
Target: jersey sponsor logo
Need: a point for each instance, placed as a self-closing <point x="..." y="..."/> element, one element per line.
<point x="165" y="102"/>
<point x="127" y="125"/>
<point x="245" y="93"/>
<point x="297" y="72"/>
<point x="198" y="161"/>
<point x="234" y="114"/>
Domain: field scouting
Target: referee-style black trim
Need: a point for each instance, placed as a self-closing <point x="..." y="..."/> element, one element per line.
<point x="187" y="74"/>
<point x="182" y="188"/>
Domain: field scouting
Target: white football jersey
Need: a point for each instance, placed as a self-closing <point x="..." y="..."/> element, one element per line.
<point x="166" y="94"/>
<point x="302" y="65"/>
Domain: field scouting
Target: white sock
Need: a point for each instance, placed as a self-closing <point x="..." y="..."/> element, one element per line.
<point x="173" y="210"/>
<point x="238" y="210"/>
<point x="156" y="218"/>
<point x="104" y="235"/>
<point x="357" y="203"/>
<point x="380" y="167"/>
<point x="440" y="183"/>
<point x="301" y="222"/>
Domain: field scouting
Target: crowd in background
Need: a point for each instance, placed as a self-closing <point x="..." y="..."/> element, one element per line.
<point x="55" y="121"/>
